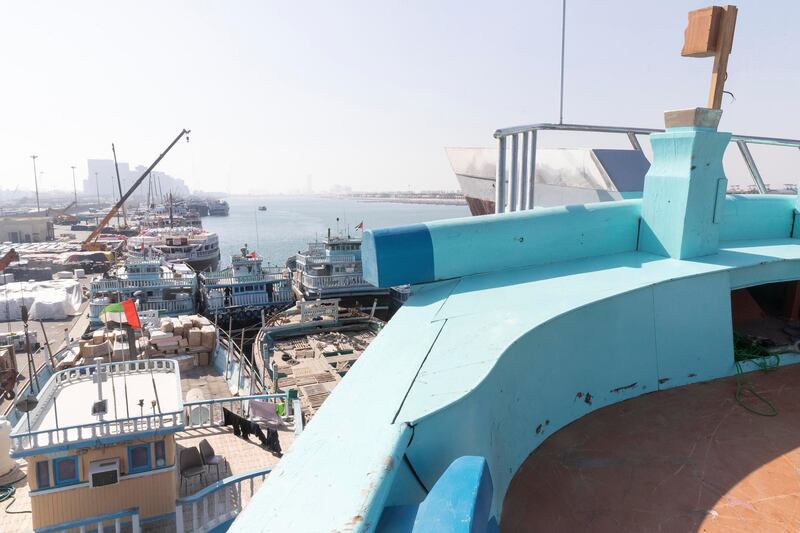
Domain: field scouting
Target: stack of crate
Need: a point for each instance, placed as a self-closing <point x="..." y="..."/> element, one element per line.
<point x="189" y="334"/>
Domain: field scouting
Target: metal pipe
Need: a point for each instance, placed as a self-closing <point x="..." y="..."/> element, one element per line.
<point x="563" y="41"/>
<point x="634" y="141"/>
<point x="523" y="180"/>
<point x="751" y="139"/>
<point x="513" y="185"/>
<point x="36" y="181"/>
<point x="741" y="141"/>
<point x="751" y="166"/>
<point x="500" y="181"/>
<point x="532" y="177"/>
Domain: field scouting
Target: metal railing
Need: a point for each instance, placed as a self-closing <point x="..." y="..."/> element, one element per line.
<point x="121" y="284"/>
<point x="515" y="192"/>
<point x="226" y="277"/>
<point x="218" y="503"/>
<point x="22" y="440"/>
<point x="185" y="305"/>
<point x="333" y="282"/>
<point x="98" y="523"/>
<point x="208" y="413"/>
<point x="326" y="259"/>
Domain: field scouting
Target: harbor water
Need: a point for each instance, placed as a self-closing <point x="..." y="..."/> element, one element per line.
<point x="291" y="222"/>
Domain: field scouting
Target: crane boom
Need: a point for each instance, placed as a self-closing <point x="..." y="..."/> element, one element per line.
<point x="89" y="243"/>
<point x="119" y="184"/>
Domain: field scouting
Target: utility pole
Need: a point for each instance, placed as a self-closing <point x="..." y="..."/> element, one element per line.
<point x="74" y="186"/>
<point x="97" y="183"/>
<point x="36" y="181"/>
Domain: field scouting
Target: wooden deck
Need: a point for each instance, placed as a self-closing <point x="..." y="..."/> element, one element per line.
<point x="684" y="459"/>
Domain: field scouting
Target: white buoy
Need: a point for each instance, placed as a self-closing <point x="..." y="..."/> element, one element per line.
<point x="6" y="463"/>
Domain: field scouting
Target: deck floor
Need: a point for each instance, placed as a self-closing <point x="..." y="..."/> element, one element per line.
<point x="685" y="459"/>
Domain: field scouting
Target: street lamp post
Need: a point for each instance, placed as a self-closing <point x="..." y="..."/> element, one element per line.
<point x="97" y="183"/>
<point x="74" y="186"/>
<point x="36" y="181"/>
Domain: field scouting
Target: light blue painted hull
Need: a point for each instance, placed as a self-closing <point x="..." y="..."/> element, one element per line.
<point x="517" y="325"/>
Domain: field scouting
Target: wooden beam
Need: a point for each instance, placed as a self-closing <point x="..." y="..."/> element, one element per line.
<point x="723" y="48"/>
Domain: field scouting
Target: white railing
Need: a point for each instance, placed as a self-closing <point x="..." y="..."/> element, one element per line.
<point x="168" y="306"/>
<point x="215" y="298"/>
<point x="227" y="277"/>
<point x="23" y="440"/>
<point x="207" y="413"/>
<point x="326" y="259"/>
<point x="121" y="284"/>
<point x="516" y="165"/>
<point x="333" y="282"/>
<point x="98" y="523"/>
<point x="218" y="503"/>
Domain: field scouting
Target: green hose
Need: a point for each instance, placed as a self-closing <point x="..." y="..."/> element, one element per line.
<point x="745" y="349"/>
<point x="7" y="493"/>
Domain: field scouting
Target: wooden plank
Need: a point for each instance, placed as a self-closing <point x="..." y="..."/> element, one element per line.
<point x="723" y="50"/>
<point x="700" y="36"/>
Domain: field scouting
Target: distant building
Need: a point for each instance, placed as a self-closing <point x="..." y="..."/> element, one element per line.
<point x="101" y="172"/>
<point x="26" y="229"/>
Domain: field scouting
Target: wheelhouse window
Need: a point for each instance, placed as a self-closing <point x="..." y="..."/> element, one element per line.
<point x="161" y="453"/>
<point x="42" y="474"/>
<point x="65" y="471"/>
<point x="138" y="458"/>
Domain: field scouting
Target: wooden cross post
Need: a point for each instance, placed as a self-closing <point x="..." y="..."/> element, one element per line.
<point x="710" y="32"/>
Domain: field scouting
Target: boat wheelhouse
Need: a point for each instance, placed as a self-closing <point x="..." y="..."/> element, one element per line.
<point x="168" y="288"/>
<point x="218" y="208"/>
<point x="549" y="316"/>
<point x="245" y="291"/>
<point x="194" y="246"/>
<point x="332" y="269"/>
<point x="101" y="438"/>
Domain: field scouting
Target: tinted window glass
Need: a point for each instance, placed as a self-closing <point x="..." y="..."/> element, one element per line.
<point x="66" y="470"/>
<point x="161" y="453"/>
<point x="138" y="458"/>
<point x="42" y="474"/>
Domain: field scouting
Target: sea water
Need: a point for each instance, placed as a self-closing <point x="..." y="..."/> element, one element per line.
<point x="291" y="222"/>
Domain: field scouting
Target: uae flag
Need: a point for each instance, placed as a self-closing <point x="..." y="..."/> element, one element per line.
<point x="121" y="313"/>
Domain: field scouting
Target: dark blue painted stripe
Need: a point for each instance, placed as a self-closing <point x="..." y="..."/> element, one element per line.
<point x="398" y="255"/>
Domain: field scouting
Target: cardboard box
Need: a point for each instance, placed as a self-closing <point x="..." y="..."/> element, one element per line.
<point x="98" y="336"/>
<point x="97" y="350"/>
<point x="209" y="336"/>
<point x="202" y="359"/>
<point x="195" y="337"/>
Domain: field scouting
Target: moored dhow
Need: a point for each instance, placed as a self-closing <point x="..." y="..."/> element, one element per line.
<point x="246" y="291"/>
<point x="193" y="246"/>
<point x="331" y="268"/>
<point x="519" y="324"/>
<point x="168" y="289"/>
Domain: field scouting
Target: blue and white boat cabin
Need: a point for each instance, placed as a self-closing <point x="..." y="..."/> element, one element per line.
<point x="169" y="288"/>
<point x="332" y="268"/>
<point x="246" y="288"/>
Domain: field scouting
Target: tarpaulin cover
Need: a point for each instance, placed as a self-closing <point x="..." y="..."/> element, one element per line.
<point x="46" y="300"/>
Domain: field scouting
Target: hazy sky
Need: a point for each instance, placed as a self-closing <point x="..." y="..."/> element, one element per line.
<point x="366" y="93"/>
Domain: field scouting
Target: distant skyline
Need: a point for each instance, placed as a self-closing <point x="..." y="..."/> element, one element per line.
<point x="361" y="94"/>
